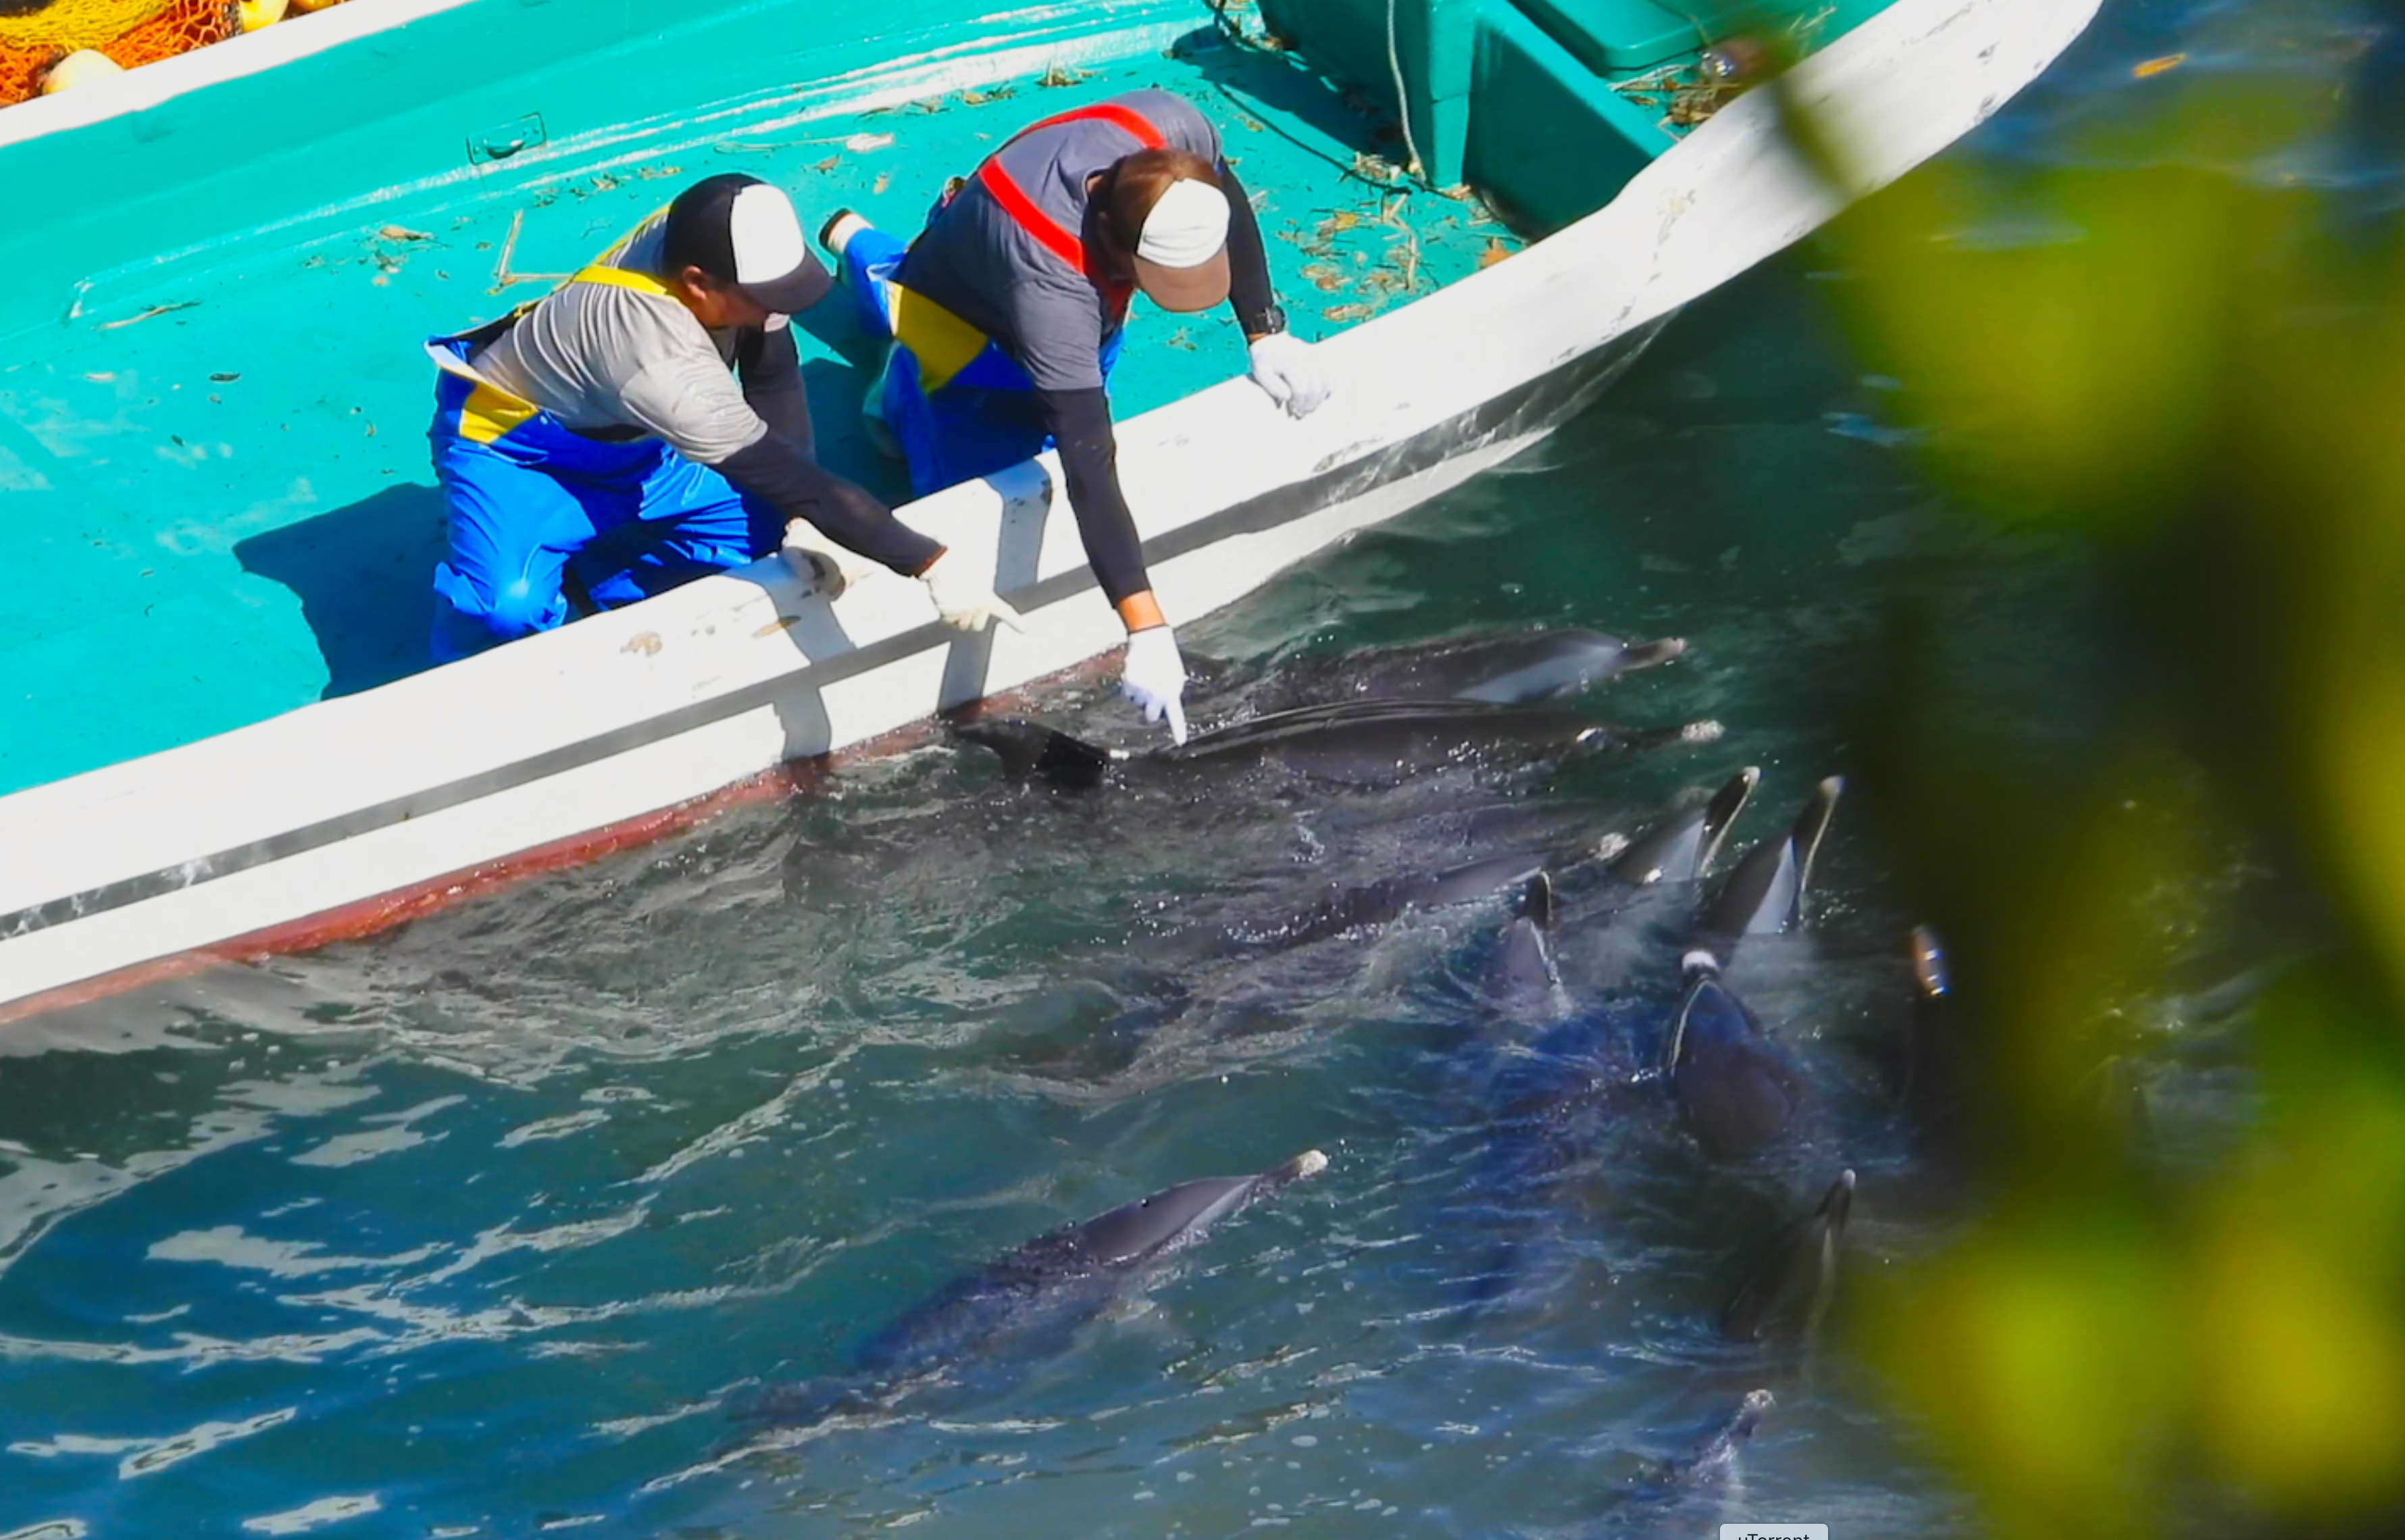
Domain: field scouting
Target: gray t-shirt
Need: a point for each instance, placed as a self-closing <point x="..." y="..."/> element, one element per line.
<point x="599" y="357"/>
<point x="980" y="263"/>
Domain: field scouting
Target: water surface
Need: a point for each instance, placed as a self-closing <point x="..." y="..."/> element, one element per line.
<point x="482" y="1226"/>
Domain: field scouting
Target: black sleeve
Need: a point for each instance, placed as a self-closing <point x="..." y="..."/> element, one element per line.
<point x="770" y="365"/>
<point x="1080" y="423"/>
<point x="776" y="469"/>
<point x="1248" y="261"/>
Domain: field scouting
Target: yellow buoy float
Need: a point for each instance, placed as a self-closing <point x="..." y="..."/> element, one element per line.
<point x="261" y="13"/>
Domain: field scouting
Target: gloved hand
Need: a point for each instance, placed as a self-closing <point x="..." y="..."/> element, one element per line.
<point x="827" y="567"/>
<point x="1284" y="366"/>
<point x="1154" y="676"/>
<point x="963" y="598"/>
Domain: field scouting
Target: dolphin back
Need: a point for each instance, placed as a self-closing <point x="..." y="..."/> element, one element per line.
<point x="1737" y="1088"/>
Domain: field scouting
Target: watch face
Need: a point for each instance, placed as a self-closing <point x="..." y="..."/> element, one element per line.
<point x="1274" y="318"/>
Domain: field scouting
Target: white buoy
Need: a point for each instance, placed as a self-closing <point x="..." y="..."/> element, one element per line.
<point x="80" y="68"/>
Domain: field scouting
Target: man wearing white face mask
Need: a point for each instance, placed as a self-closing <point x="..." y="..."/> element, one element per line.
<point x="1008" y="312"/>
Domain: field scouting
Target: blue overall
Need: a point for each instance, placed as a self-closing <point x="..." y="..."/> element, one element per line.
<point x="538" y="510"/>
<point x="981" y="417"/>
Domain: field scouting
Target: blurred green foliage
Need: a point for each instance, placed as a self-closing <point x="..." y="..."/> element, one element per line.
<point x="2191" y="363"/>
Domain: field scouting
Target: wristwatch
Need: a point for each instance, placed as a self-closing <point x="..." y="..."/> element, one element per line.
<point x="1272" y="319"/>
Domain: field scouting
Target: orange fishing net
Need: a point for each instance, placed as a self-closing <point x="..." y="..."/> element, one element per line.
<point x="34" y="36"/>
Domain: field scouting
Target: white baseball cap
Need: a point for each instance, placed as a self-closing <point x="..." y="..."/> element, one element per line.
<point x="1181" y="254"/>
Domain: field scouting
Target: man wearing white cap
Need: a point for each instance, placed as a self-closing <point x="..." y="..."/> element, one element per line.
<point x="1008" y="311"/>
<point x="594" y="447"/>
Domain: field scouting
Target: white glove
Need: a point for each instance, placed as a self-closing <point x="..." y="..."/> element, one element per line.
<point x="1284" y="366"/>
<point x="963" y="600"/>
<point x="825" y="566"/>
<point x="1154" y="676"/>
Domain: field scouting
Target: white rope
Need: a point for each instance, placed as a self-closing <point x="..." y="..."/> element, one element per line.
<point x="1402" y="101"/>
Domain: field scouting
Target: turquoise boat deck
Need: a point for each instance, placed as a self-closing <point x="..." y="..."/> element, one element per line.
<point x="220" y="505"/>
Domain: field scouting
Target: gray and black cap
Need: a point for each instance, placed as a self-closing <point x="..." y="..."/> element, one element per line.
<point x="741" y="230"/>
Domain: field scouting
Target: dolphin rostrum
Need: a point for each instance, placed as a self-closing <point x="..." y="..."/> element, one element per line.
<point x="1029" y="1299"/>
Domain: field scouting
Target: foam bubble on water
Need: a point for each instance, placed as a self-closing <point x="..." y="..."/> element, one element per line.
<point x="317" y="1515"/>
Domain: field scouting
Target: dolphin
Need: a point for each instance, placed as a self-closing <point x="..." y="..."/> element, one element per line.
<point x="1740" y="1090"/>
<point x="1029" y="1298"/>
<point x="1787" y="1290"/>
<point x="1764" y="894"/>
<point x="1711" y="1459"/>
<point x="1682" y="848"/>
<point x="1933" y="1070"/>
<point x="1503" y="667"/>
<point x="1390" y="898"/>
<point x="1365" y="742"/>
<point x="1521" y="975"/>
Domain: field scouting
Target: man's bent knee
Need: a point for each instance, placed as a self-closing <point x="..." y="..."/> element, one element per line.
<point x="469" y="618"/>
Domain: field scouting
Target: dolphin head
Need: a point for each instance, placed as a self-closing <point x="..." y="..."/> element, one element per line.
<point x="1176" y="1217"/>
<point x="1682" y="848"/>
<point x="1766" y="893"/>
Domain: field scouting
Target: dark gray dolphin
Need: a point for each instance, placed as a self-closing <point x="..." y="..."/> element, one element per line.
<point x="1788" y="1289"/>
<point x="1521" y="975"/>
<point x="1933" y="1070"/>
<point x="1369" y="742"/>
<point x="1510" y="667"/>
<point x="1682" y="848"/>
<point x="1029" y="1300"/>
<point x="1764" y="894"/>
<point x="1739" y="1089"/>
<point x="1711" y="1461"/>
<point x="1389" y="899"/>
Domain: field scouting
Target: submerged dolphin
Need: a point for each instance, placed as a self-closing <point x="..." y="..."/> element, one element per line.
<point x="1365" y="742"/>
<point x="1389" y="899"/>
<point x="1506" y="667"/>
<point x="1031" y="1297"/>
<point x="1739" y="1089"/>
<point x="1789" y="1288"/>
<point x="1711" y="1461"/>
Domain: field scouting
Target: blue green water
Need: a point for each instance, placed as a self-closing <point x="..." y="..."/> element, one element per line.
<point x="481" y="1226"/>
